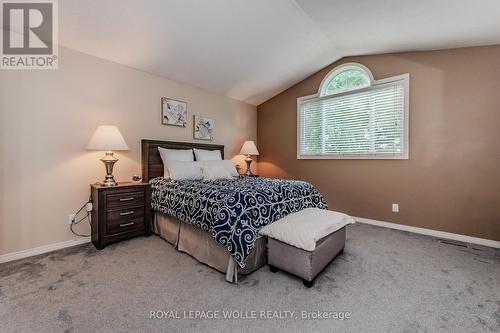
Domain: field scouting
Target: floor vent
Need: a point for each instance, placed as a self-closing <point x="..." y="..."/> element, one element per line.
<point x="454" y="243"/>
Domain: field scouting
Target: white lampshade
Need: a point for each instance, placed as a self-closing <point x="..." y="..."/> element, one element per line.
<point x="249" y="148"/>
<point x="107" y="138"/>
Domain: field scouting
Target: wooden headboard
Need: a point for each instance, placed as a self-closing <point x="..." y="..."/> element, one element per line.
<point x="152" y="165"/>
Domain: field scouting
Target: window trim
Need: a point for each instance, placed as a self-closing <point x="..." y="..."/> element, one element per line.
<point x="404" y="78"/>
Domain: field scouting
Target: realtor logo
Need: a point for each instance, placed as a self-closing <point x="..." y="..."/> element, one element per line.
<point x="29" y="35"/>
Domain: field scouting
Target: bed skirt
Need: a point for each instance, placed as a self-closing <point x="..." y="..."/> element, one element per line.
<point x="202" y="246"/>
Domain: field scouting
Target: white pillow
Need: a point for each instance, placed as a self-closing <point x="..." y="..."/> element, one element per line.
<point x="212" y="172"/>
<point x="207" y="155"/>
<point x="225" y="164"/>
<point x="167" y="155"/>
<point x="181" y="170"/>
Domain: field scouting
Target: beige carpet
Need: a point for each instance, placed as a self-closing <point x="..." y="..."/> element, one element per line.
<point x="389" y="281"/>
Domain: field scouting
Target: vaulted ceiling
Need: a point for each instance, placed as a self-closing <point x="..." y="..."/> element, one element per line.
<point x="251" y="50"/>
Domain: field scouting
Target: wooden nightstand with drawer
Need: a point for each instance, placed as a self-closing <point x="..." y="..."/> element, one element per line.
<point x="119" y="212"/>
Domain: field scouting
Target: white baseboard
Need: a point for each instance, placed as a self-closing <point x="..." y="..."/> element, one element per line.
<point x="42" y="249"/>
<point x="430" y="232"/>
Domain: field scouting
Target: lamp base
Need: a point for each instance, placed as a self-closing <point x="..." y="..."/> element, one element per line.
<point x="109" y="161"/>
<point x="109" y="182"/>
<point x="249" y="160"/>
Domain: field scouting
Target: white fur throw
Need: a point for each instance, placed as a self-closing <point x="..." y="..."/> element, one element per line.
<point x="304" y="228"/>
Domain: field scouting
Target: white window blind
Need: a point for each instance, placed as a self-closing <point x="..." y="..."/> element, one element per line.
<point x="365" y="123"/>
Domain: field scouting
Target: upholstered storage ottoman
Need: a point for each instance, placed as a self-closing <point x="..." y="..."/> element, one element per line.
<point x="305" y="242"/>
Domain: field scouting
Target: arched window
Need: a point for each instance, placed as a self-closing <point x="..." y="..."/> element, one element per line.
<point x="354" y="116"/>
<point x="346" y="78"/>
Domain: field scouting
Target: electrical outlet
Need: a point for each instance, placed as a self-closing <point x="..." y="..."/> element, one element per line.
<point x="395" y="208"/>
<point x="71" y="218"/>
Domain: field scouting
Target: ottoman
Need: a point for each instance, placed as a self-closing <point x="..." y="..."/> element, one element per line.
<point x="305" y="242"/>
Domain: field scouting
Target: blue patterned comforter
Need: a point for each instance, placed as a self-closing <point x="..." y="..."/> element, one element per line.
<point x="233" y="210"/>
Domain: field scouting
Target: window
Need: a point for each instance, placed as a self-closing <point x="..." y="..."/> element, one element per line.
<point x="355" y="117"/>
<point x="349" y="79"/>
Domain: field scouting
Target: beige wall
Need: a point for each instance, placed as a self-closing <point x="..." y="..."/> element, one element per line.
<point x="451" y="181"/>
<point x="47" y="117"/>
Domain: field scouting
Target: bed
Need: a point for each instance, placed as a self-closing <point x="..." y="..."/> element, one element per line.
<point x="217" y="221"/>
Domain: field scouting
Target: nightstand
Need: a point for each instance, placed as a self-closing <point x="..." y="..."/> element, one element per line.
<point x="119" y="212"/>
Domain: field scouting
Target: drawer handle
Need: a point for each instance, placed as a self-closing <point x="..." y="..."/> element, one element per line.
<point x="126" y="224"/>
<point x="127" y="213"/>
<point x="127" y="199"/>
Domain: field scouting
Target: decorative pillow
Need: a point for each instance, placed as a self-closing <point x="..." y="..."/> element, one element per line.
<point x="215" y="171"/>
<point x="185" y="155"/>
<point x="207" y="155"/>
<point x="181" y="170"/>
<point x="225" y="164"/>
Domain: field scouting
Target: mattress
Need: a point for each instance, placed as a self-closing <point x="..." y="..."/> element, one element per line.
<point x="233" y="211"/>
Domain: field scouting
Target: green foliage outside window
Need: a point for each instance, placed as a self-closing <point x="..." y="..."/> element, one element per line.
<point x="347" y="80"/>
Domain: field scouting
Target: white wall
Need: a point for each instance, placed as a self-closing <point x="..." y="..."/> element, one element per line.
<point x="47" y="117"/>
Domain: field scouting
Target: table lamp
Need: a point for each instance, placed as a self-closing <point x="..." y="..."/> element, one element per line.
<point x="108" y="138"/>
<point x="248" y="149"/>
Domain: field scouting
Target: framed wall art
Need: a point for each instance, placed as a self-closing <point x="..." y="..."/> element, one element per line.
<point x="203" y="128"/>
<point x="173" y="112"/>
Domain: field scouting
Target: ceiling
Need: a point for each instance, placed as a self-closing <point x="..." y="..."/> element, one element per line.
<point x="253" y="50"/>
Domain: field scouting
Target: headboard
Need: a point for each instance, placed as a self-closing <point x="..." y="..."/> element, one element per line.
<point x="152" y="165"/>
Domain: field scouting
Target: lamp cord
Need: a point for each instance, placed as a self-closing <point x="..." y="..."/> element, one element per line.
<point x="87" y="216"/>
